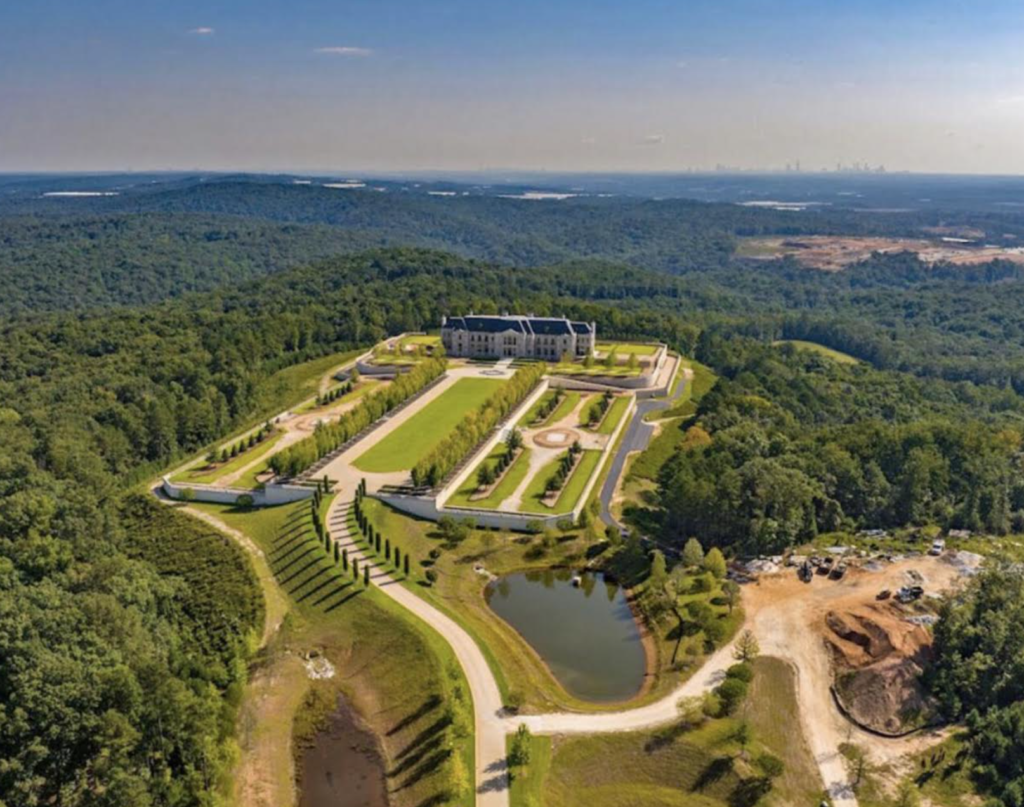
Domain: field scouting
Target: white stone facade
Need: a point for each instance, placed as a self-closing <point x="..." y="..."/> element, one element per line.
<point x="518" y="337"/>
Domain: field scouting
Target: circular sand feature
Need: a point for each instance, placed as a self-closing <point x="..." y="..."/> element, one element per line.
<point x="556" y="438"/>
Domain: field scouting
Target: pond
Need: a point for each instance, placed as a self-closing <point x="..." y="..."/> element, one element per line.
<point x="586" y="635"/>
<point x="343" y="766"/>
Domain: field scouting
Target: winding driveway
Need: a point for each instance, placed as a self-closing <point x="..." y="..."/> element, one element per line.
<point x="637" y="437"/>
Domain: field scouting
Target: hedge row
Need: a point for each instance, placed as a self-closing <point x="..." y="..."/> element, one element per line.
<point x="328" y="436"/>
<point x="475" y="426"/>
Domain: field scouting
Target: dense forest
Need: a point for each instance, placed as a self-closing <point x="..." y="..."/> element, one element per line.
<point x="167" y="236"/>
<point x="789" y="444"/>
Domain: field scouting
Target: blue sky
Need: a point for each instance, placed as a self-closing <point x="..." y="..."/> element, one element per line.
<point x="561" y="85"/>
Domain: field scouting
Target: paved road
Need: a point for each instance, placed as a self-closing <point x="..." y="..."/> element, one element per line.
<point x="638" y="435"/>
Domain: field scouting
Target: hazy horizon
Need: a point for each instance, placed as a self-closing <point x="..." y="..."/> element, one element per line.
<point x="459" y="86"/>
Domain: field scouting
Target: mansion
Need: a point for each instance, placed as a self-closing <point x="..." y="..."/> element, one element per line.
<point x="519" y="337"/>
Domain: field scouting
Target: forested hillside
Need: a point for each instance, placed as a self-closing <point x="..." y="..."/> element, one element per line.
<point x="789" y="444"/>
<point x="54" y="264"/>
<point x="167" y="236"/>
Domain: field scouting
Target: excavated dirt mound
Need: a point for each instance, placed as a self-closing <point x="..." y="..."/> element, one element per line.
<point x="878" y="658"/>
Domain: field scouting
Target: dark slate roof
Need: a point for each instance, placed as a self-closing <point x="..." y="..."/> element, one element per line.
<point x="550" y="327"/>
<point x="581" y="327"/>
<point x="485" y="324"/>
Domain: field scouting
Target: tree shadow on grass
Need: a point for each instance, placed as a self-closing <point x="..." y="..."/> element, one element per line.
<point x="323" y="584"/>
<point x="416" y="757"/>
<point x="425" y="708"/>
<point x="716" y="770"/>
<point x="333" y="592"/>
<point x="428" y="767"/>
<point x="344" y="600"/>
<point x="285" y="581"/>
<point x="439" y="725"/>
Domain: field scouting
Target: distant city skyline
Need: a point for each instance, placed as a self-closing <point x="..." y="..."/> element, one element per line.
<point x="468" y="85"/>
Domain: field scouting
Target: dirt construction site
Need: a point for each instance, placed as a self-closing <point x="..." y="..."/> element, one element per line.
<point x="833" y="253"/>
<point x="857" y="654"/>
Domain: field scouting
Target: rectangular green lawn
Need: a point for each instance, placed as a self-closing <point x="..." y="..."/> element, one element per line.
<point x="526" y="420"/>
<point x="570" y="493"/>
<point x="509" y="482"/>
<point x="614" y="415"/>
<point x="421" y="433"/>
<point x="195" y="473"/>
<point x="625" y="348"/>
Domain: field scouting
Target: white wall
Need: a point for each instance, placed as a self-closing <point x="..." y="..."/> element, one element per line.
<point x="267" y="497"/>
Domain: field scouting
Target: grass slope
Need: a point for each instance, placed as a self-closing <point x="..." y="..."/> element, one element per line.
<point x="398" y="673"/>
<point x="419" y="435"/>
<point x="800" y="344"/>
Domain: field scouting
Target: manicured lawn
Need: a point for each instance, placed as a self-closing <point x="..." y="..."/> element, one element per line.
<point x="527" y="419"/>
<point x="419" y="435"/>
<point x="363" y="387"/>
<point x="626" y="348"/>
<point x="196" y="473"/>
<point x="620" y="370"/>
<point x="614" y="415"/>
<point x="570" y="493"/>
<point x="565" y="406"/>
<point x="398" y="673"/>
<point x="425" y="339"/>
<point x="509" y="482"/>
<point x="842" y="358"/>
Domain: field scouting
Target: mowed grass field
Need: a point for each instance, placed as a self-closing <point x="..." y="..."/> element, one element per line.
<point x="198" y="474"/>
<point x="419" y="435"/>
<point x="509" y="482"/>
<point x="570" y="493"/>
<point x="702" y="767"/>
<point x="814" y="347"/>
<point x="625" y="349"/>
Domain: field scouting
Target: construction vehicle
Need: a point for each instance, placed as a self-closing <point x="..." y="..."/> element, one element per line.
<point x="909" y="593"/>
<point x="805" y="572"/>
<point x="838" y="572"/>
<point x="826" y="566"/>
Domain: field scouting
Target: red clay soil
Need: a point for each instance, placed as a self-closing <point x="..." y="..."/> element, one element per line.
<point x="878" y="658"/>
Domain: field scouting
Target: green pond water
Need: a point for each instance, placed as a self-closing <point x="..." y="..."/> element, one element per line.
<point x="586" y="635"/>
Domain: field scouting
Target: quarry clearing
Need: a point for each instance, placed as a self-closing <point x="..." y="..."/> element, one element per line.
<point x="834" y="253"/>
<point x="797" y="621"/>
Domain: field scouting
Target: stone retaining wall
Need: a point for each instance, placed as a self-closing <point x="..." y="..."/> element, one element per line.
<point x="267" y="496"/>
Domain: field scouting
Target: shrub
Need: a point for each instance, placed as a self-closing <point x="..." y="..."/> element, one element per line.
<point x="741" y="672"/>
<point x="431" y="576"/>
<point x="731" y="691"/>
<point x="245" y="501"/>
